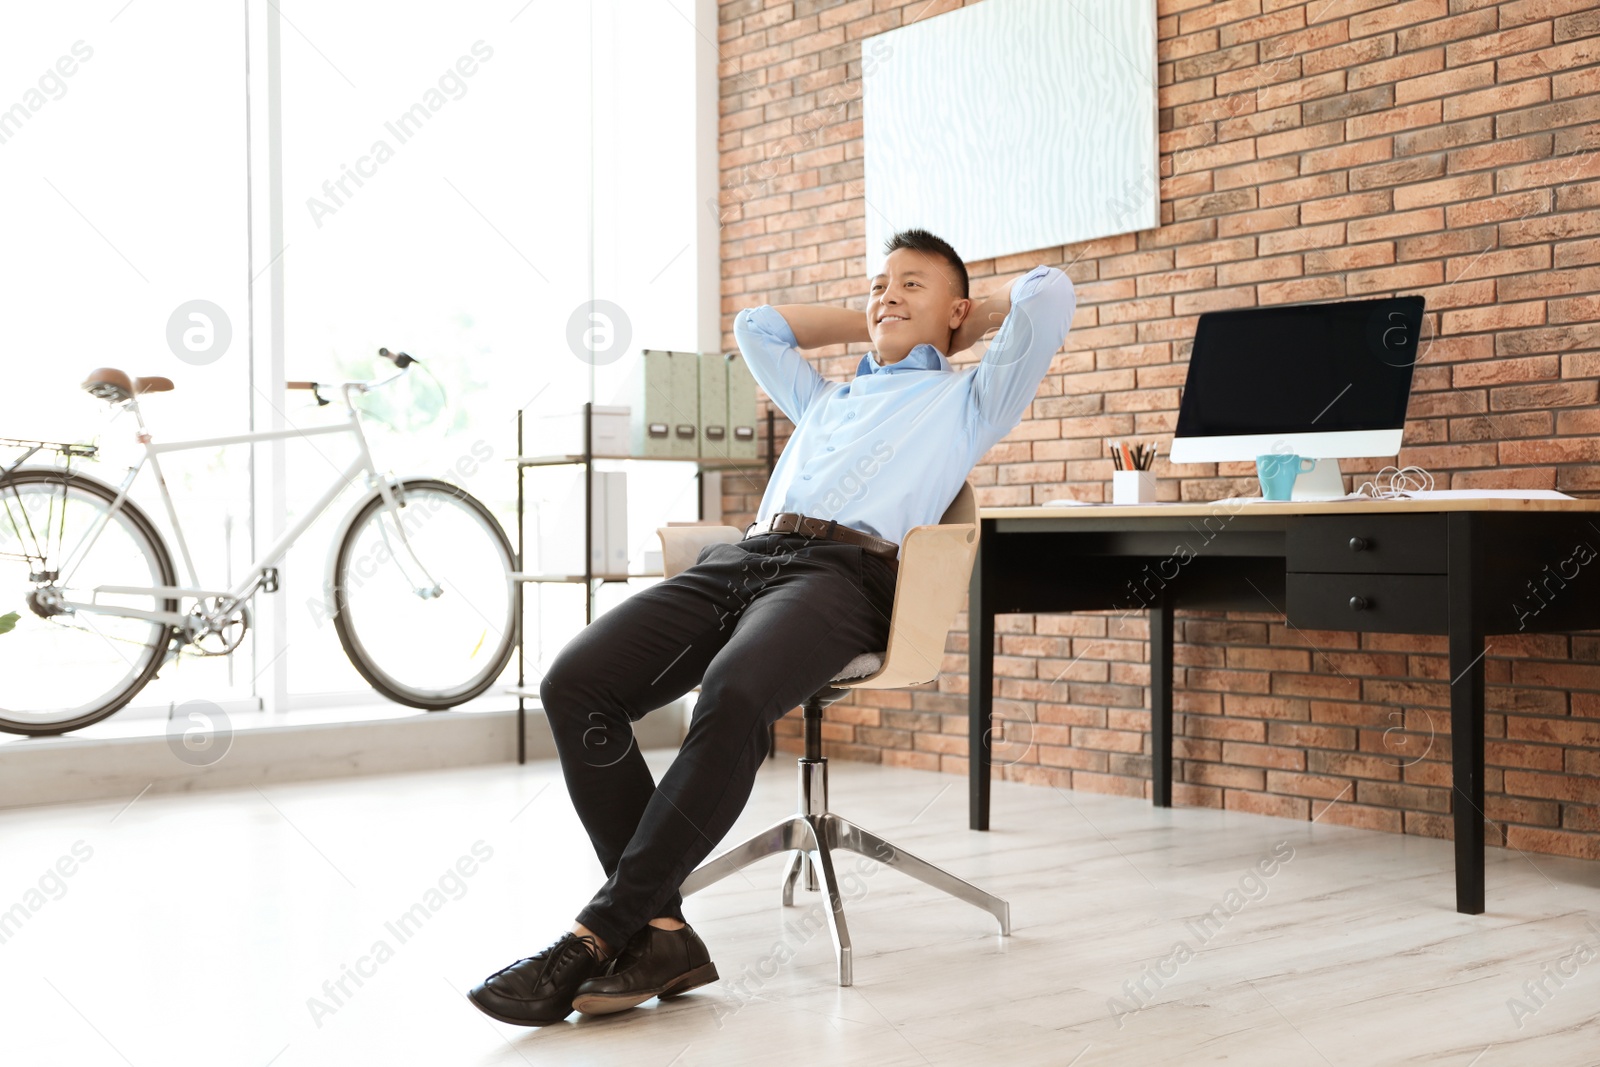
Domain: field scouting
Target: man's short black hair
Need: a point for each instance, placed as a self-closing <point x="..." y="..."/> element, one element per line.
<point x="923" y="241"/>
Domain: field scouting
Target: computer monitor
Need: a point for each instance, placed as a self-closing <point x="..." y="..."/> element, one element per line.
<point x="1329" y="380"/>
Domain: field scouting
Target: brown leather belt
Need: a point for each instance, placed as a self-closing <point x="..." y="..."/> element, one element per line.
<point x="806" y="526"/>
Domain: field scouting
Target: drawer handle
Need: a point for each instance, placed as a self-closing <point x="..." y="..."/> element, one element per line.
<point x="1358" y="603"/>
<point x="1358" y="544"/>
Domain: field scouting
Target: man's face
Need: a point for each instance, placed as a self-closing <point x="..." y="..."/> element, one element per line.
<point x="915" y="300"/>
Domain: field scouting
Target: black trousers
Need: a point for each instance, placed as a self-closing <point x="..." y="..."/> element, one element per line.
<point x="759" y="625"/>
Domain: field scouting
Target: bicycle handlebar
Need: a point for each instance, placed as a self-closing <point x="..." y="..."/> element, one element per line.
<point x="400" y="359"/>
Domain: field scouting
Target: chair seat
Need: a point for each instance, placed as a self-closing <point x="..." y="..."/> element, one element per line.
<point x="863" y="665"/>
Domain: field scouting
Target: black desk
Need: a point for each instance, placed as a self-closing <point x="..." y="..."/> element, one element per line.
<point x="1465" y="568"/>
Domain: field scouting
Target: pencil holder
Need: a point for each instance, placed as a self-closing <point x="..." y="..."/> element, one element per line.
<point x="1133" y="487"/>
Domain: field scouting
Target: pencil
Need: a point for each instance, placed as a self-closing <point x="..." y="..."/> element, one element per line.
<point x="1127" y="457"/>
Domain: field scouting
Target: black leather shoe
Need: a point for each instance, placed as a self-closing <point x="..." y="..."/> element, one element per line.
<point x="538" y="990"/>
<point x="655" y="963"/>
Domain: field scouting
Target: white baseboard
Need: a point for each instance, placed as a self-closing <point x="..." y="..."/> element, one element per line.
<point x="56" y="770"/>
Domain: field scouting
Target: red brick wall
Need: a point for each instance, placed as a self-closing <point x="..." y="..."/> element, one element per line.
<point x="1309" y="151"/>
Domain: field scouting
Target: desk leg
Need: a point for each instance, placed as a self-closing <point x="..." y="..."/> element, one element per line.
<point x="980" y="690"/>
<point x="1466" y="720"/>
<point x="1161" y="705"/>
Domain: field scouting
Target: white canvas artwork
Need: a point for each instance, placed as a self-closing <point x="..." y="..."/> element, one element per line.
<point x="1012" y="125"/>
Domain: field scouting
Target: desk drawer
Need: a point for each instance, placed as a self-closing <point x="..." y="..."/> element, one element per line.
<point x="1373" y="603"/>
<point x="1388" y="544"/>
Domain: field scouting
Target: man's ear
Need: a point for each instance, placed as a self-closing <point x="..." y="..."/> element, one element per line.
<point x="959" y="312"/>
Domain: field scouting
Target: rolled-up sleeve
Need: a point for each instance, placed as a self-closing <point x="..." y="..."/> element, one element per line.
<point x="1042" y="305"/>
<point x="770" y="351"/>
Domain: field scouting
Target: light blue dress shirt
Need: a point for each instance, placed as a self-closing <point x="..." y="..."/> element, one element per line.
<point x="889" y="449"/>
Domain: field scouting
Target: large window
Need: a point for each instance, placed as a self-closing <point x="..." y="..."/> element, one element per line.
<point x="464" y="183"/>
<point x="498" y="188"/>
<point x="433" y="203"/>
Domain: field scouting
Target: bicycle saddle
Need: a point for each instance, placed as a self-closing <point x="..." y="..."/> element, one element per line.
<point x="108" y="383"/>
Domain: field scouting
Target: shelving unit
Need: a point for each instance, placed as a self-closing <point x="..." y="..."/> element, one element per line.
<point x="590" y="580"/>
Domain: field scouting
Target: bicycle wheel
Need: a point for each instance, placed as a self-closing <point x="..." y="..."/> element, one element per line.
<point x="429" y="620"/>
<point x="63" y="668"/>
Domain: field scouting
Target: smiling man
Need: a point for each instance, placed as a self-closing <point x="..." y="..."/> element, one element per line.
<point x="763" y="623"/>
<point x="906" y="401"/>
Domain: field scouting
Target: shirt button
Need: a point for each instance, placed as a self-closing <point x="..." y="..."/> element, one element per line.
<point x="807" y="477"/>
<point x="851" y="415"/>
<point x="830" y="448"/>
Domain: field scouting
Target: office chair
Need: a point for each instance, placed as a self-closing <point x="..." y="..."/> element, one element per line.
<point x="935" y="564"/>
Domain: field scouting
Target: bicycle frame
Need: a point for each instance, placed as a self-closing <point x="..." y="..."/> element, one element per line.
<point x="256" y="574"/>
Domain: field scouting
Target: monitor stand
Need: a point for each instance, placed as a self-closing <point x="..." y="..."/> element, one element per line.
<point x="1324" y="482"/>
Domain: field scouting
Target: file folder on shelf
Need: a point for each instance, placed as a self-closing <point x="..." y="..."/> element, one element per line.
<point x="561" y="531"/>
<point x="653" y="414"/>
<point x="741" y="409"/>
<point x="685" y="411"/>
<point x="613" y="537"/>
<point x="666" y="401"/>
<point x="713" y="406"/>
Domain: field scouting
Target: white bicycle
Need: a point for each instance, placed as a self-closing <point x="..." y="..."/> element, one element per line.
<point x="418" y="585"/>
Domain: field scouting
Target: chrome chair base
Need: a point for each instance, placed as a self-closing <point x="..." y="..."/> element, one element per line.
<point x="811" y="836"/>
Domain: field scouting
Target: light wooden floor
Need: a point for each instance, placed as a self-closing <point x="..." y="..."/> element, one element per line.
<point x="199" y="929"/>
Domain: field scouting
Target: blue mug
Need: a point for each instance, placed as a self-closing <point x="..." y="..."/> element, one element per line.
<point x="1277" y="471"/>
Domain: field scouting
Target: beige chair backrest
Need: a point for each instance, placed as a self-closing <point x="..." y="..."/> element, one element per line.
<point x="935" y="567"/>
<point x="964" y="508"/>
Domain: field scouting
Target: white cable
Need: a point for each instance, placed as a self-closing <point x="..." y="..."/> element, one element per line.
<point x="1392" y="482"/>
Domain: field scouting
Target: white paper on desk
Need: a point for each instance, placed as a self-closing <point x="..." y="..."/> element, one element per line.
<point x="1483" y="494"/>
<point x="1415" y="494"/>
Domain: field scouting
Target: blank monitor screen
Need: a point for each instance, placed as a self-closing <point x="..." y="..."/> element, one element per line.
<point x="1299" y="368"/>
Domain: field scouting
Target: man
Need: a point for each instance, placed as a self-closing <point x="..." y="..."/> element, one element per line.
<point x="762" y="624"/>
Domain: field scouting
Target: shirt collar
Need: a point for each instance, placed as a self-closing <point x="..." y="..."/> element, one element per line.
<point x="921" y="357"/>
